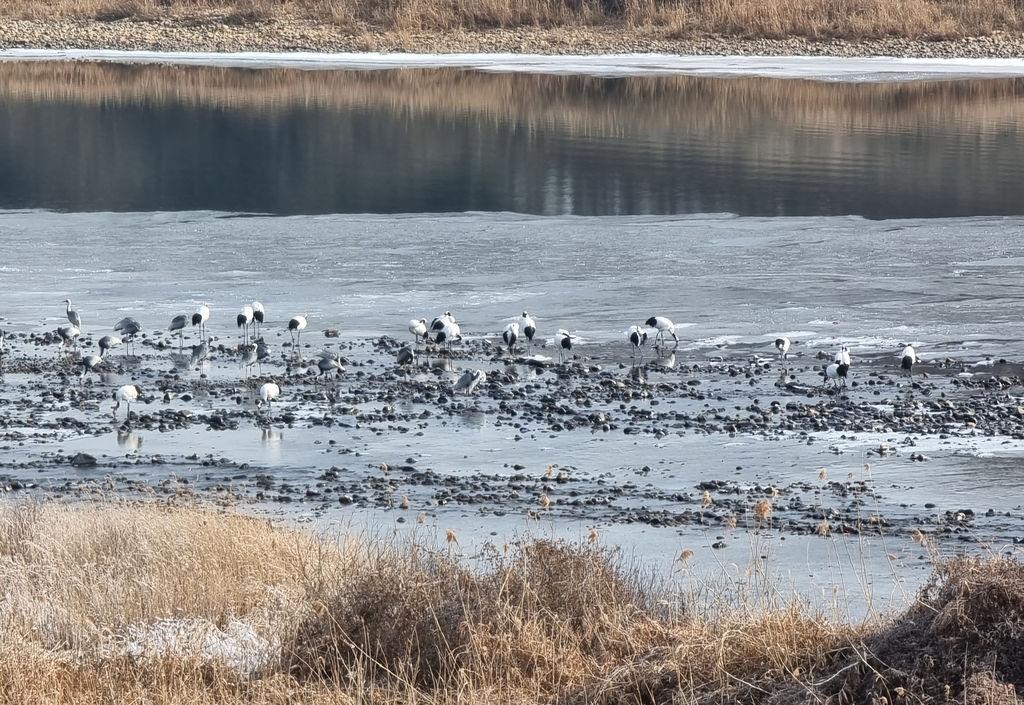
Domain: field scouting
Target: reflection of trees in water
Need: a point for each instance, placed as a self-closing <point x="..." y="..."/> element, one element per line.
<point x="149" y="137"/>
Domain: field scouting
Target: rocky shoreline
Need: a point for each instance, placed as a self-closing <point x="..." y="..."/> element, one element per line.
<point x="293" y="35"/>
<point x="668" y="398"/>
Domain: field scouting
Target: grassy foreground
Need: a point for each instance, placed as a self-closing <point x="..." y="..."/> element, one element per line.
<point x="673" y="19"/>
<point x="156" y="604"/>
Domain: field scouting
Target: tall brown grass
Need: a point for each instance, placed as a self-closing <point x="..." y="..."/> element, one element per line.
<point x="129" y="603"/>
<point x="816" y="19"/>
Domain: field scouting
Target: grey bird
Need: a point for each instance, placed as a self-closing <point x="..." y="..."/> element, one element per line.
<point x="470" y="380"/>
<point x="199" y="353"/>
<point x="107" y="342"/>
<point x="89" y="364"/>
<point x="73" y="316"/>
<point x="178" y="324"/>
<point x="127" y="327"/>
<point x="406" y="356"/>
<point x="249" y="358"/>
<point x="329" y="363"/>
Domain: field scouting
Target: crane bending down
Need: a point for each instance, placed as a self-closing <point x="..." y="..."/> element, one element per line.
<point x="296" y="326"/>
<point x="127" y="394"/>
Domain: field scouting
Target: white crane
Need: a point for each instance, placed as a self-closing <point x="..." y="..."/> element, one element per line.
<point x="663" y="326"/>
<point x="564" y="342"/>
<point x="245" y="319"/>
<point x="783" y="345"/>
<point x="529" y="328"/>
<point x="843" y="356"/>
<point x="637" y="337"/>
<point x="448" y="334"/>
<point x="510" y="336"/>
<point x="418" y="327"/>
<point x="268" y="393"/>
<point x="836" y="373"/>
<point x="296" y="326"/>
<point x="127" y="394"/>
<point x="907" y="360"/>
<point x="199" y="318"/>
<point x="258" y="314"/>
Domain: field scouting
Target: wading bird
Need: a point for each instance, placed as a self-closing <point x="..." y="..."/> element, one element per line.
<point x="441" y="321"/>
<point x="127" y="327"/>
<point x="330" y="361"/>
<point x="406" y="356"/>
<point x="418" y="327"/>
<point x="89" y="364"/>
<point x="782" y="345"/>
<point x="510" y="336"/>
<point x="199" y="318"/>
<point x="249" y="358"/>
<point x="68" y="336"/>
<point x="258" y="314"/>
<point x="245" y="319"/>
<point x="843" y="356"/>
<point x="663" y="326"/>
<point x="836" y="373"/>
<point x="637" y="337"/>
<point x="564" y="342"/>
<point x="529" y="328"/>
<point x="199" y="354"/>
<point x="127" y="394"/>
<point x="73" y="316"/>
<point x="268" y="393"/>
<point x="178" y="324"/>
<point x="470" y="380"/>
<point x="3" y="337"/>
<point x="296" y="326"/>
<point x="907" y="360"/>
<point x="107" y="342"/>
<point x="448" y="334"/>
<point x="262" y="353"/>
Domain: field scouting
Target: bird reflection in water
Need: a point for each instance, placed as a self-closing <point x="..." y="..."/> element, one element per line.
<point x="443" y="363"/>
<point x="271" y="436"/>
<point x="129" y="440"/>
<point x="667" y="362"/>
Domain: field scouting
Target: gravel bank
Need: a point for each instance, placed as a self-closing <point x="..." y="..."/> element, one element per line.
<point x="305" y="35"/>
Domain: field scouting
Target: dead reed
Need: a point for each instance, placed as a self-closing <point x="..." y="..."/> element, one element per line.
<point x="816" y="19"/>
<point x="127" y="603"/>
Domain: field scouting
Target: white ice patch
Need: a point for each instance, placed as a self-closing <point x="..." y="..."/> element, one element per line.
<point x="238" y="645"/>
<point x="837" y="69"/>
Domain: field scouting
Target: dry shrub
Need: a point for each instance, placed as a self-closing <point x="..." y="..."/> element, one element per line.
<point x="547" y="614"/>
<point x="815" y="19"/>
<point x="963" y="641"/>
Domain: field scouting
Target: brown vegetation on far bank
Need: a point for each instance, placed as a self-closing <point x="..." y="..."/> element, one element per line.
<point x="374" y="20"/>
<point x="145" y="603"/>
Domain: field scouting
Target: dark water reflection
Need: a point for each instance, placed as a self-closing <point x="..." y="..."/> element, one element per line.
<point x="88" y="137"/>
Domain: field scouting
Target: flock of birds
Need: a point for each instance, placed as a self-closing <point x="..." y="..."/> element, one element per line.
<point x="837" y="372"/>
<point x="443" y="331"/>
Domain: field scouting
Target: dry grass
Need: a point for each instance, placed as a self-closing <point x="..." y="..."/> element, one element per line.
<point x="817" y="19"/>
<point x="156" y="604"/>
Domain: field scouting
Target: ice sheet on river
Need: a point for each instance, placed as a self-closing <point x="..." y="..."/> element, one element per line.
<point x="840" y="69"/>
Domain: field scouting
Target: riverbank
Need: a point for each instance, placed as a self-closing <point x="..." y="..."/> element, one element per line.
<point x="224" y="34"/>
<point x="121" y="603"/>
